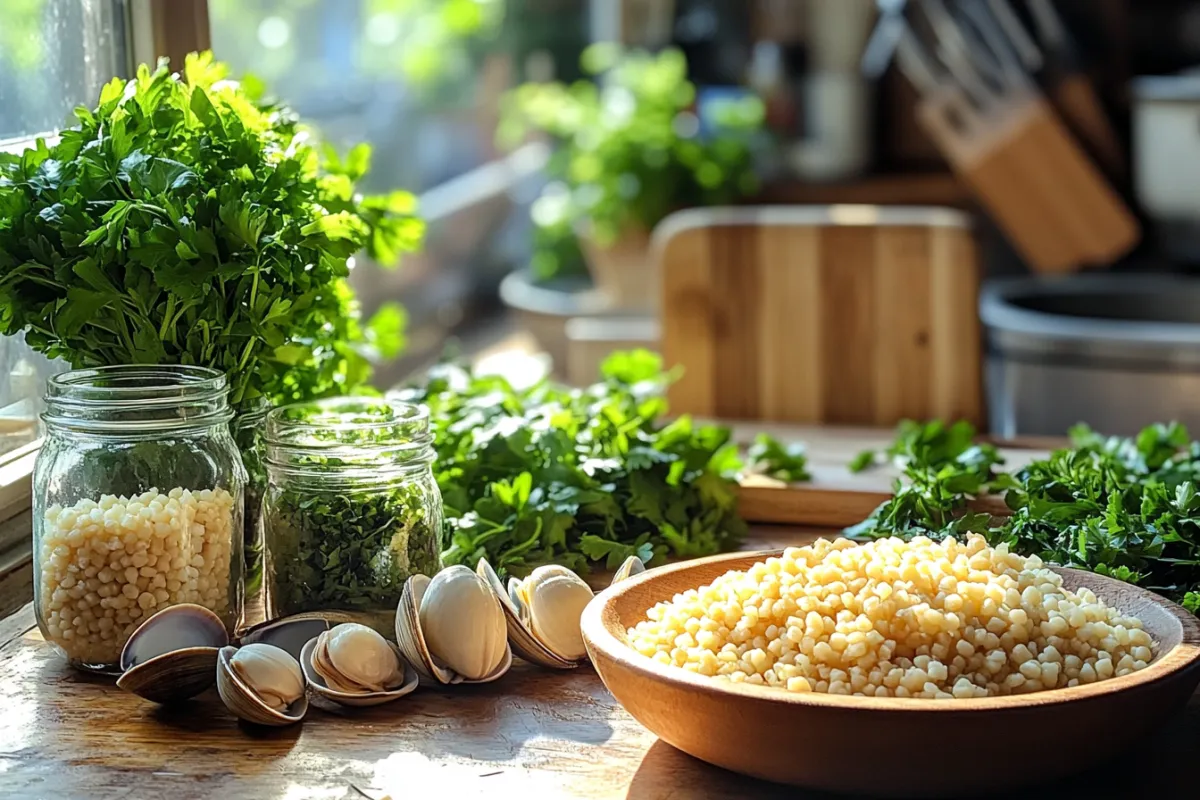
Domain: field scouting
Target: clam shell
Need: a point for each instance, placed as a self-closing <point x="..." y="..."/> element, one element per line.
<point x="173" y="654"/>
<point x="290" y="633"/>
<point x="172" y="677"/>
<point x="245" y="704"/>
<point x="320" y="685"/>
<point x="520" y="635"/>
<point x="632" y="566"/>
<point x="514" y="597"/>
<point x="411" y="639"/>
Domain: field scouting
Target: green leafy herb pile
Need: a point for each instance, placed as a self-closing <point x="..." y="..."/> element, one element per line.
<point x="1125" y="507"/>
<point x="577" y="476"/>
<point x="186" y="221"/>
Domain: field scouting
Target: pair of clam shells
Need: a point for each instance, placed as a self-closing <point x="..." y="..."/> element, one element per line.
<point x="522" y="638"/>
<point x="519" y="618"/>
<point x="183" y="650"/>
<point x="327" y="681"/>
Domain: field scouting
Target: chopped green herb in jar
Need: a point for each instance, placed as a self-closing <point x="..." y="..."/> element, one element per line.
<point x="348" y="549"/>
<point x="352" y="507"/>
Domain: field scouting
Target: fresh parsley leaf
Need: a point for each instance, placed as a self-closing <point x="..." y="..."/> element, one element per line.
<point x="771" y="457"/>
<point x="863" y="461"/>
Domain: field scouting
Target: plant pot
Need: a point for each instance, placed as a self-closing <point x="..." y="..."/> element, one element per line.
<point x="624" y="271"/>
<point x="543" y="310"/>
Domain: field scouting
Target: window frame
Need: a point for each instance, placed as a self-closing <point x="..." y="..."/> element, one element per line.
<point x="152" y="28"/>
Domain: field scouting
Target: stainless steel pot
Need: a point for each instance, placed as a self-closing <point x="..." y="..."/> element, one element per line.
<point x="1116" y="352"/>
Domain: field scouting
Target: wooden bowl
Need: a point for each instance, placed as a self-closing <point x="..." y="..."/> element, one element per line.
<point x="890" y="746"/>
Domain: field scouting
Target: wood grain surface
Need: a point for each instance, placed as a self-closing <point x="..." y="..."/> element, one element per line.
<point x="842" y="315"/>
<point x="534" y="734"/>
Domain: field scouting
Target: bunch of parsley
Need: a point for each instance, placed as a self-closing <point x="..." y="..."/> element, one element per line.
<point x="577" y="476"/>
<point x="186" y="221"/>
<point x="1125" y="507"/>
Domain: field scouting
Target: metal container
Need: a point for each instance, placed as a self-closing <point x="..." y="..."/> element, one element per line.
<point x="1116" y="352"/>
<point x="1166" y="160"/>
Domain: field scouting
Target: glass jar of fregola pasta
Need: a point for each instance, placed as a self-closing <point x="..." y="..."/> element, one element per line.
<point x="138" y="503"/>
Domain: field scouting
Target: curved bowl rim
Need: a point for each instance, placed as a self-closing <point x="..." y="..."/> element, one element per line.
<point x="599" y="637"/>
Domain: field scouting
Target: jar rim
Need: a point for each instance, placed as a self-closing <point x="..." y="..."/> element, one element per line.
<point x="141" y="397"/>
<point x="347" y="414"/>
<point x="357" y="431"/>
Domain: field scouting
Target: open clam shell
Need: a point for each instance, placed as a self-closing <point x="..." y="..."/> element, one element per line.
<point x="173" y="654"/>
<point x="320" y="686"/>
<point x="411" y="640"/>
<point x="632" y="566"/>
<point x="245" y="703"/>
<point x="291" y="633"/>
<point x="516" y="618"/>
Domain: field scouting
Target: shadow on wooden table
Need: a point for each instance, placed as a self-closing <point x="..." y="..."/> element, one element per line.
<point x="1164" y="769"/>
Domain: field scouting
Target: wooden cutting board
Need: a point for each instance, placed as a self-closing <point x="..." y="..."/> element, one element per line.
<point x="841" y="315"/>
<point x="835" y="497"/>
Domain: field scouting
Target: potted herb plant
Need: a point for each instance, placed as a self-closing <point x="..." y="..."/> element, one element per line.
<point x="630" y="149"/>
<point x="186" y="221"/>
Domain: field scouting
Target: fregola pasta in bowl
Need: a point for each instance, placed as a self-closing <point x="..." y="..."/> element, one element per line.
<point x="781" y="664"/>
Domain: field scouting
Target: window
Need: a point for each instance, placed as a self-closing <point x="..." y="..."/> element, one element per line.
<point x="419" y="79"/>
<point x="54" y="55"/>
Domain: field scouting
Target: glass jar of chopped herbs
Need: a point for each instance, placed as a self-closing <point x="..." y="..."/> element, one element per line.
<point x="351" y="509"/>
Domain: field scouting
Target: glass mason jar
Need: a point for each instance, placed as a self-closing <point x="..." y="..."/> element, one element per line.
<point x="247" y="426"/>
<point x="352" y="508"/>
<point x="137" y="505"/>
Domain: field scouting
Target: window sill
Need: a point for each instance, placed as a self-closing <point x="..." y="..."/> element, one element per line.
<point x="16" y="519"/>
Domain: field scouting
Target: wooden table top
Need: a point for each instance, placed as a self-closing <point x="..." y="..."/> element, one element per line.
<point x="535" y="733"/>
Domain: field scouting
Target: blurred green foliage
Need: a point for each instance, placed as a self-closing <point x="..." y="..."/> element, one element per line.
<point x="629" y="148"/>
<point x="430" y="44"/>
<point x="21" y="45"/>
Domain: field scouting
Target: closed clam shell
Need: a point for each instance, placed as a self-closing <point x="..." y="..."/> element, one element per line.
<point x="347" y="694"/>
<point x="173" y="654"/>
<point x="520" y="635"/>
<point x="556" y="600"/>
<point x="245" y="703"/>
<point x="411" y="639"/>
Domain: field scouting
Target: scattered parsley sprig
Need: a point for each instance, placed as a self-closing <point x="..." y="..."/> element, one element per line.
<point x="1125" y="507"/>
<point x="786" y="462"/>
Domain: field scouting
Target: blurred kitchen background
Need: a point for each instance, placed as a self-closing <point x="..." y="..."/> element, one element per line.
<point x="1064" y="135"/>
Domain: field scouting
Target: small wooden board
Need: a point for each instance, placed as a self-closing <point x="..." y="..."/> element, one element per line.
<point x="836" y="497"/>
